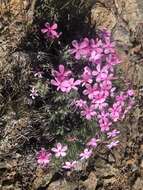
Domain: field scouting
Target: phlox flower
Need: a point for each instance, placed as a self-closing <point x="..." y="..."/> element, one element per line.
<point x="86" y="154"/>
<point x="109" y="47"/>
<point x="113" y="133"/>
<point x="79" y="103"/>
<point x="93" y="142"/>
<point x="34" y="93"/>
<point x="50" y="30"/>
<point x="80" y="49"/>
<point x="61" y="85"/>
<point x="62" y="74"/>
<point x="72" y="84"/>
<point x="60" y="150"/>
<point x="115" y="112"/>
<point x="101" y="74"/>
<point x="113" y="144"/>
<point x="88" y="112"/>
<point x="99" y="97"/>
<point x="86" y="77"/>
<point x="130" y="92"/>
<point x="91" y="90"/>
<point x="95" y="57"/>
<point x="105" y="125"/>
<point x="43" y="157"/>
<point x="112" y="59"/>
<point x="66" y="85"/>
<point x="96" y="45"/>
<point x="70" y="165"/>
<point x="121" y="99"/>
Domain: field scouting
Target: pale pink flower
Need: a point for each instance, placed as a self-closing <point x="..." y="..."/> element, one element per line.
<point x="96" y="46"/>
<point x="105" y="125"/>
<point x="93" y="142"/>
<point x="80" y="103"/>
<point x="50" y="30"/>
<point x="86" y="76"/>
<point x="60" y="150"/>
<point x="70" y="165"/>
<point x="95" y="57"/>
<point x="130" y="92"/>
<point x="113" y="144"/>
<point x="113" y="133"/>
<point x="86" y="154"/>
<point x="90" y="90"/>
<point x="62" y="74"/>
<point x="34" y="93"/>
<point x="121" y="99"/>
<point x="99" y="97"/>
<point x="101" y="74"/>
<point x="72" y="84"/>
<point x="88" y="112"/>
<point x="115" y="112"/>
<point x="61" y="85"/>
<point x="80" y="49"/>
<point x="43" y="157"/>
<point x="109" y="47"/>
<point x="112" y="59"/>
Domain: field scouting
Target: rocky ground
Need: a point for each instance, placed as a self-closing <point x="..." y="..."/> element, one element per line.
<point x="121" y="169"/>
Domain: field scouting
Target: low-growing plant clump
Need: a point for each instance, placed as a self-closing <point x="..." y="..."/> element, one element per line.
<point x="85" y="88"/>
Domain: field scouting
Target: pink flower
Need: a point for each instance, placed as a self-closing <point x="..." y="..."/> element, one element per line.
<point x="85" y="154"/>
<point x="95" y="57"/>
<point x="70" y="165"/>
<point x="88" y="112"/>
<point x="115" y="112"/>
<point x="50" y="30"/>
<point x="130" y="92"/>
<point x="96" y="46"/>
<point x="99" y="98"/>
<point x="59" y="150"/>
<point x="113" y="144"/>
<point x="105" y="125"/>
<point x="112" y="60"/>
<point x="101" y="74"/>
<point x="61" y="85"/>
<point x="86" y="76"/>
<point x="43" y="157"/>
<point x="113" y="133"/>
<point x="72" y="84"/>
<point x="109" y="47"/>
<point x="121" y="99"/>
<point x="80" y="103"/>
<point x="66" y="85"/>
<point x="80" y="49"/>
<point x="91" y="91"/>
<point x="93" y="142"/>
<point x="62" y="74"/>
<point x="34" y="93"/>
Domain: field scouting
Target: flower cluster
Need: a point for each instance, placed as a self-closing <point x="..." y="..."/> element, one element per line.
<point x="99" y="98"/>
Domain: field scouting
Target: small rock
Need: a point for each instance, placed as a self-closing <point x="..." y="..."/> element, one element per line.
<point x="61" y="185"/>
<point x="138" y="184"/>
<point x="91" y="182"/>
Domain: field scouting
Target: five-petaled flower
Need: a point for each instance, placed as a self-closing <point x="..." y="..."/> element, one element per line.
<point x="33" y="93"/>
<point x="70" y="165"/>
<point x="60" y="150"/>
<point x="43" y="157"/>
<point x="50" y="30"/>
<point x="86" y="154"/>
